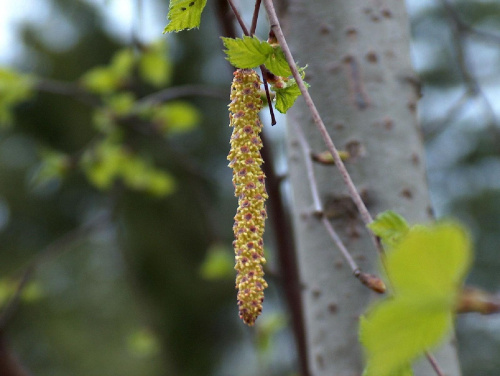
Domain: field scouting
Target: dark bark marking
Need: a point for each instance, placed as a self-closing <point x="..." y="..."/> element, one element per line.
<point x="386" y="13"/>
<point x="316" y="293"/>
<point x="388" y="123"/>
<point x="407" y="193"/>
<point x="372" y="57"/>
<point x="415" y="159"/>
<point x="320" y="361"/>
<point x="333" y="308"/>
<point x="355" y="149"/>
<point x="412" y="106"/>
<point x="325" y="29"/>
<point x="354" y="76"/>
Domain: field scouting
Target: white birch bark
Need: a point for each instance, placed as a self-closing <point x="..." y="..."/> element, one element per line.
<point x="364" y="87"/>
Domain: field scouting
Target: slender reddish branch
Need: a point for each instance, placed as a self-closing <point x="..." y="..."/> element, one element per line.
<point x="276" y="28"/>
<point x="255" y="17"/>
<point x="238" y="17"/>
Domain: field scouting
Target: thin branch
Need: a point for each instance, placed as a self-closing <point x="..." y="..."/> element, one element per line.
<point x="371" y="281"/>
<point x="434" y="364"/>
<point x="306" y="151"/>
<point x="180" y="92"/>
<point x="56" y="247"/>
<point x="340" y="245"/>
<point x="253" y="27"/>
<point x="238" y="17"/>
<point x="263" y="70"/>
<point x="68" y="89"/>
<point x="276" y="28"/>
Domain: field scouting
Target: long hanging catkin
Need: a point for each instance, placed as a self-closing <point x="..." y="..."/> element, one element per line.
<point x="248" y="181"/>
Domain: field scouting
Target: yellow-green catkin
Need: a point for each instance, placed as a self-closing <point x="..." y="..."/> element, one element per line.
<point x="248" y="181"/>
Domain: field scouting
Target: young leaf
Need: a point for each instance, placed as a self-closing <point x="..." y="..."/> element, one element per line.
<point x="390" y="227"/>
<point x="184" y="14"/>
<point x="430" y="262"/>
<point x="277" y="64"/>
<point x="248" y="52"/>
<point x="426" y="269"/>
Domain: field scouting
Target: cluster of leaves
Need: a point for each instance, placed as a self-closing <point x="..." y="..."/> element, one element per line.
<point x="425" y="266"/>
<point x="107" y="159"/>
<point x="244" y="53"/>
<point x="250" y="52"/>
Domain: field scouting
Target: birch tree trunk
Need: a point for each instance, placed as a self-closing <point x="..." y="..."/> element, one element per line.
<point x="366" y="91"/>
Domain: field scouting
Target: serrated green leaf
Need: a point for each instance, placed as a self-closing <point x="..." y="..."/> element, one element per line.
<point x="390" y="227"/>
<point x="430" y="262"/>
<point x="277" y="64"/>
<point x="286" y="97"/>
<point x="247" y="52"/>
<point x="184" y="14"/>
<point x="426" y="268"/>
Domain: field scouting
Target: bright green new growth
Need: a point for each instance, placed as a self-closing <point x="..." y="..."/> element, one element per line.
<point x="184" y="15"/>
<point x="250" y="52"/>
<point x="390" y="227"/>
<point x="426" y="268"/>
<point x="110" y="161"/>
<point x="14" y="89"/>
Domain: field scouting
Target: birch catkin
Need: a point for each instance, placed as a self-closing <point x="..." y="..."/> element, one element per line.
<point x="248" y="181"/>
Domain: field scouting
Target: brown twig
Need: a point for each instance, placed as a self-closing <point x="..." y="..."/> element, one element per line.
<point x="371" y="281"/>
<point x="180" y="92"/>
<point x="434" y="364"/>
<point x="253" y="27"/>
<point x="238" y="18"/>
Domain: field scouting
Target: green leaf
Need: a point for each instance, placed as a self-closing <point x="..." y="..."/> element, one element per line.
<point x="277" y="64"/>
<point x="101" y="80"/>
<point x="184" y="14"/>
<point x="397" y="331"/>
<point x="218" y="263"/>
<point x="14" y="88"/>
<point x="286" y="97"/>
<point x="154" y="67"/>
<point x="248" y="52"/>
<point x="53" y="167"/>
<point x="430" y="262"/>
<point x="426" y="268"/>
<point x="176" y="117"/>
<point x="110" y="161"/>
<point x="390" y="227"/>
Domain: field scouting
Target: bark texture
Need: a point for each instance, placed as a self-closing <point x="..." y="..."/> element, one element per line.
<point x="366" y="91"/>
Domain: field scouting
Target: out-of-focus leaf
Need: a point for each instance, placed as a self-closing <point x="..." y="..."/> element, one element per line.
<point x="176" y="117"/>
<point x="143" y="343"/>
<point x="426" y="269"/>
<point x="14" y="89"/>
<point x="218" y="263"/>
<point x="390" y="227"/>
<point x="154" y="66"/>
